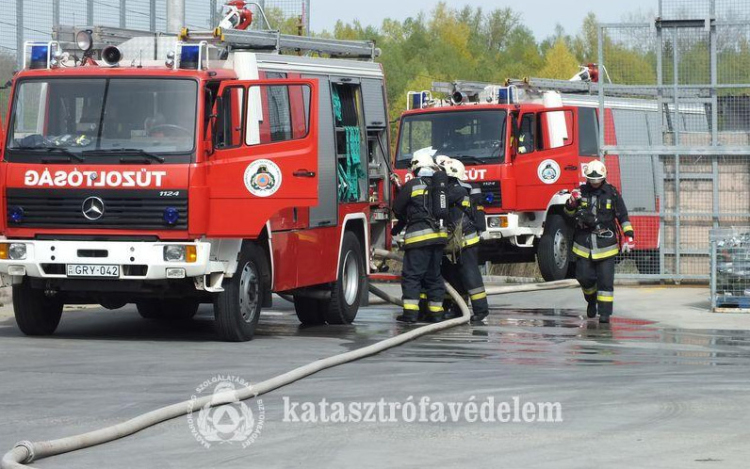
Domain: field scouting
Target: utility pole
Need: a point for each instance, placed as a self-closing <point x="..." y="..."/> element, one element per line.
<point x="175" y="15"/>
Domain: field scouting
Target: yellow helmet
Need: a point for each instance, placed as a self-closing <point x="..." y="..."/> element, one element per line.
<point x="595" y="171"/>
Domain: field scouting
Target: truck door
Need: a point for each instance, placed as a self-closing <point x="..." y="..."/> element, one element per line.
<point x="545" y="157"/>
<point x="265" y="154"/>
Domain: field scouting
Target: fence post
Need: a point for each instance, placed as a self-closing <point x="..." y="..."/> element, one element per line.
<point x="123" y="14"/>
<point x="19" y="33"/>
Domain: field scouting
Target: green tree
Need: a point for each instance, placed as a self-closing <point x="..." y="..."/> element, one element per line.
<point x="559" y="62"/>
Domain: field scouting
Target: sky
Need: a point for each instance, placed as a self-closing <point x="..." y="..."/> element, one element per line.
<point x="540" y="16"/>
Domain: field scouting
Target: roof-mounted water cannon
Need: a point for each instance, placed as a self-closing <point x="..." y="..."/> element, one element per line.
<point x="239" y="17"/>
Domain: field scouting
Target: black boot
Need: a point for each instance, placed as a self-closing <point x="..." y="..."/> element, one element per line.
<point x="435" y="318"/>
<point x="478" y="318"/>
<point x="604" y="319"/>
<point x="591" y="310"/>
<point x="407" y="318"/>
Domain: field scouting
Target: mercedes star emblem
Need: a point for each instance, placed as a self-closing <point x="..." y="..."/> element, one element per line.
<point x="93" y="208"/>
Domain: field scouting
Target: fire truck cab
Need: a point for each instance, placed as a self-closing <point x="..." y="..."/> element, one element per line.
<point x="212" y="168"/>
<point x="525" y="150"/>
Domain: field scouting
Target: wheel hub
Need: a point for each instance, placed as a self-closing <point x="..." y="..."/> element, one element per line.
<point x="249" y="292"/>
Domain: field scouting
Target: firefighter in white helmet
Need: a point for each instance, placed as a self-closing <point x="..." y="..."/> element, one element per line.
<point x="597" y="208"/>
<point x="424" y="239"/>
<point x="460" y="264"/>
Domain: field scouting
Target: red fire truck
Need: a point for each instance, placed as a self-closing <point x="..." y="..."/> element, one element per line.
<point x="525" y="144"/>
<point x="212" y="168"/>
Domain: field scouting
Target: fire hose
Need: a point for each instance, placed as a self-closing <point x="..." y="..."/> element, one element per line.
<point x="25" y="452"/>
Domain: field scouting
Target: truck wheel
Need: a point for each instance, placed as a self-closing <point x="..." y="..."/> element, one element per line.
<point x="553" y="252"/>
<point x="351" y="280"/>
<point x="178" y="310"/>
<point x="36" y="314"/>
<point x="310" y="310"/>
<point x="237" y="308"/>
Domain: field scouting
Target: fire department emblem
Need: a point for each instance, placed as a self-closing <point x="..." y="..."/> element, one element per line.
<point x="549" y="171"/>
<point x="263" y="178"/>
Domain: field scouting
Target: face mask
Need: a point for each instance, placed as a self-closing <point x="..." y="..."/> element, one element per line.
<point x="425" y="172"/>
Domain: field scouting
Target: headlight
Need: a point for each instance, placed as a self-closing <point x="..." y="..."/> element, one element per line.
<point x="493" y="222"/>
<point x="17" y="251"/>
<point x="181" y="253"/>
<point x="174" y="253"/>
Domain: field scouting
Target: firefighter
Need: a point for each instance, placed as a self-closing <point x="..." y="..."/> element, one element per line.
<point x="423" y="242"/>
<point x="461" y="262"/>
<point x="596" y="207"/>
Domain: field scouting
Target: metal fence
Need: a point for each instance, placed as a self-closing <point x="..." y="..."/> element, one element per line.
<point x="675" y="108"/>
<point x="34" y="20"/>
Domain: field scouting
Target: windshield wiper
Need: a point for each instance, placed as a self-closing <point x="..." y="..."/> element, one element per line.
<point x="471" y="158"/>
<point x="126" y="153"/>
<point x="50" y="150"/>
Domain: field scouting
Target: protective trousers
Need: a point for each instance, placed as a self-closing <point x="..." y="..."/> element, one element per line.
<point x="465" y="277"/>
<point x="597" y="279"/>
<point x="421" y="271"/>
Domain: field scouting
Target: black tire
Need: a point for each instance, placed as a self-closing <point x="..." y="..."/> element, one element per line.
<point x="171" y="309"/>
<point x="237" y="308"/>
<point x="351" y="280"/>
<point x="36" y="314"/>
<point x="310" y="311"/>
<point x="553" y="252"/>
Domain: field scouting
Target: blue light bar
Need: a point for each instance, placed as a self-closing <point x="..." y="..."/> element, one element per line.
<point x="190" y="57"/>
<point x="505" y="95"/>
<point x="39" y="57"/>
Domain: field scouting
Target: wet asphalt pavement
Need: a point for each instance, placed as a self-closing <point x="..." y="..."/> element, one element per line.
<point x="632" y="394"/>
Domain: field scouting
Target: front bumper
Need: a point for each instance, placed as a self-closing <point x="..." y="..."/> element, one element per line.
<point x="137" y="260"/>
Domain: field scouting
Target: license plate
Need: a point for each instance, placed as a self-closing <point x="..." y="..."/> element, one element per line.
<point x="87" y="270"/>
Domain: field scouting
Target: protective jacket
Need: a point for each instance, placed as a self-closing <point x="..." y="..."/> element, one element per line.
<point x="596" y="217"/>
<point x="462" y="211"/>
<point x="413" y="206"/>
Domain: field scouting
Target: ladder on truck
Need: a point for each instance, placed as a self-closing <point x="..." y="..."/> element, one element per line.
<point x="274" y="41"/>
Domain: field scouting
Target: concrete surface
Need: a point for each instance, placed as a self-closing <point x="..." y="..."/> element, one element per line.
<point x="664" y="386"/>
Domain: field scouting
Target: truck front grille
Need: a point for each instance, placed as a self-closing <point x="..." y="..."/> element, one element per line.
<point x="491" y="193"/>
<point x="122" y="209"/>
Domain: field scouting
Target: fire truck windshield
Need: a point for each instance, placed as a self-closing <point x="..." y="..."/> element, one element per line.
<point x="474" y="137"/>
<point x="103" y="119"/>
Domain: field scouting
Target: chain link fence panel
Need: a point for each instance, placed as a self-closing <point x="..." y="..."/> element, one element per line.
<point x="676" y="119"/>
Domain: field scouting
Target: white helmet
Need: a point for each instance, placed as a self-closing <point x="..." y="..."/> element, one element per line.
<point x="441" y="161"/>
<point x="595" y="171"/>
<point x="455" y="169"/>
<point x="422" y="159"/>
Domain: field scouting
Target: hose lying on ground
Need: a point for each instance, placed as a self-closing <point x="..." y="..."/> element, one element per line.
<point x="26" y="452"/>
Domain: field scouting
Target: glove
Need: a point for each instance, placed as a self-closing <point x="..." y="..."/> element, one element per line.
<point x="575" y="197"/>
<point x="396" y="180"/>
<point x="628" y="245"/>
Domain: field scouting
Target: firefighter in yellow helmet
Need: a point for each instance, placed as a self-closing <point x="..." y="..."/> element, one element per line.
<point x="597" y="207"/>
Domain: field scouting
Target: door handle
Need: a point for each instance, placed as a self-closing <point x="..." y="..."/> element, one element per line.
<point x="571" y="168"/>
<point x="303" y="173"/>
